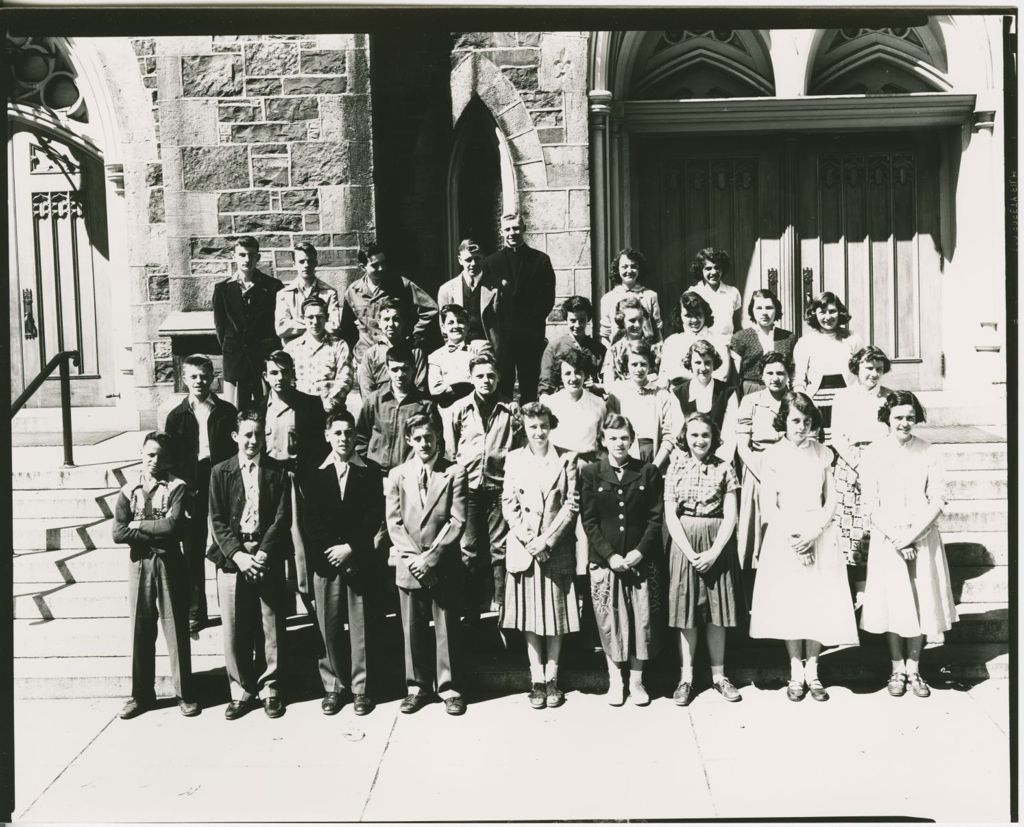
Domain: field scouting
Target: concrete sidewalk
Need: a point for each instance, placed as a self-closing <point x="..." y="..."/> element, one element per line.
<point x="863" y="753"/>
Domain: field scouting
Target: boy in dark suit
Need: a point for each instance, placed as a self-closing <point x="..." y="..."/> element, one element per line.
<point x="149" y="517"/>
<point x="294" y="431"/>
<point x="200" y="429"/>
<point x="250" y="514"/>
<point x="426" y="512"/>
<point x="243" y="315"/>
<point x="342" y="511"/>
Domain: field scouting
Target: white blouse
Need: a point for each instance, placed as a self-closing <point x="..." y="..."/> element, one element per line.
<point x="817" y="355"/>
<point x="676" y="347"/>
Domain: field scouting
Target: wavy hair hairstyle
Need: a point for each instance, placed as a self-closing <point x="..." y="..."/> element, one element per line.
<point x="820" y="303"/>
<point x="692" y="304"/>
<point x="897" y="398"/>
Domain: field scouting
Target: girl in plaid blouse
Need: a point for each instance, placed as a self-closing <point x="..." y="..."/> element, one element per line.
<point x="700" y="514"/>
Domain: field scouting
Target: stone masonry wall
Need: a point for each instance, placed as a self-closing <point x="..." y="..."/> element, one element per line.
<point x="535" y="85"/>
<point x="263" y="135"/>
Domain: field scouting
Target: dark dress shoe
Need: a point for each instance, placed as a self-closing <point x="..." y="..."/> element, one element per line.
<point x="553" y="696"/>
<point x="188" y="708"/>
<point x="725" y="688"/>
<point x="795" y="690"/>
<point x="331" y="703"/>
<point x="362" y="704"/>
<point x="273" y="707"/>
<point x="538" y="696"/>
<point x="236" y="709"/>
<point x="455" y="706"/>
<point x="133" y="707"/>
<point x="197" y="624"/>
<point x="683" y="694"/>
<point x="818" y="692"/>
<point x="414" y="702"/>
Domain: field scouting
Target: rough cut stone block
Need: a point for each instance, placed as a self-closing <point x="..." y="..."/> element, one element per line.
<point x="546" y="117"/>
<point x="243" y="201"/>
<point x="577" y="129"/>
<point x="268" y="222"/>
<point x="254" y="87"/>
<point x="270" y="172"/>
<point x="515" y="57"/>
<point x="310" y="221"/>
<point x="345" y="240"/>
<point x="567" y="165"/>
<point x="292" y="109"/>
<point x="315" y="85"/>
<point x="569" y="249"/>
<point x="208" y="168"/>
<point x="205" y="247"/>
<point x="338" y="258"/>
<point x="210" y="268"/>
<point x="545" y="210"/>
<point x="522" y="77"/>
<point x="144" y="46"/>
<point x="318" y="240"/>
<point x="188" y="122"/>
<point x="195" y="292"/>
<point x="358" y="70"/>
<point x="268" y="58"/>
<point x="183" y="45"/>
<point x="244" y="112"/>
<point x="526" y="148"/>
<point x="485" y="40"/>
<point x="528" y="38"/>
<point x="515" y="121"/>
<point x="345" y="118"/>
<point x="541" y="100"/>
<point x="579" y="209"/>
<point x="211" y="76"/>
<point x="154" y="174"/>
<point x="322" y="63"/>
<point x="269" y="149"/>
<point x="299" y="200"/>
<point x="551" y="136"/>
<point x="265" y="132"/>
<point x="155" y="207"/>
<point x="159" y="287"/>
<point x="225" y="225"/>
<point x="563" y="62"/>
<point x="318" y="164"/>
<point x="346" y="209"/>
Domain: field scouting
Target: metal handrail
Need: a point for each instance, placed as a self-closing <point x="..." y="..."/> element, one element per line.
<point x="61" y="360"/>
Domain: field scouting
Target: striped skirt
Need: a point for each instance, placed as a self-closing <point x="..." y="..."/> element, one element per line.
<point x="540" y="603"/>
<point x="823" y="398"/>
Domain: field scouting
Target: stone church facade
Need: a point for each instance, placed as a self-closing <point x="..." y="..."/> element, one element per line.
<point x="866" y="161"/>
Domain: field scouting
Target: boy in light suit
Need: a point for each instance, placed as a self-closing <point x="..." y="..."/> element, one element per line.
<point x="426" y="512"/>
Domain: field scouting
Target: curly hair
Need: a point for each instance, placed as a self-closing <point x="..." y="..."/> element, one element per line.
<point x="706" y="351"/>
<point x="770" y="358"/>
<point x="578" y="304"/>
<point x="697" y="416"/>
<point x="803" y="403"/>
<point x="712" y="254"/>
<point x="897" y="398"/>
<point x="820" y="303"/>
<point x="633" y="255"/>
<point x="869" y="353"/>
<point x="692" y="304"/>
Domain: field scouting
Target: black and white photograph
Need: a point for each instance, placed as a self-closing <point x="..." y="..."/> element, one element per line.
<point x="598" y="423"/>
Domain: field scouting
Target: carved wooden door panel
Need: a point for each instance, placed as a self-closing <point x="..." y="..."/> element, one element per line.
<point x="57" y="268"/>
<point x="868" y="224"/>
<point x="715" y="191"/>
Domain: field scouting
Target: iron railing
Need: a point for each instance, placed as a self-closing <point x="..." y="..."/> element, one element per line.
<point x="61" y="360"/>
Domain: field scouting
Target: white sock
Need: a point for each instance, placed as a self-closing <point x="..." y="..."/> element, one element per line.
<point x="686" y="674"/>
<point x="636" y="677"/>
<point x="899" y="667"/>
<point x="551" y="672"/>
<point x="537" y="674"/>
<point x="811" y="671"/>
<point x="796" y="670"/>
<point x="717" y="674"/>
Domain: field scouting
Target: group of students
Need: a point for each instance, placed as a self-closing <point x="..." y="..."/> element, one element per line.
<point x="650" y="473"/>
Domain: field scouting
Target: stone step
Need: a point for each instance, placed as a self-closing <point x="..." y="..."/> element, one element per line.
<point x="970" y="456"/>
<point x="981" y="407"/>
<point x="980" y="584"/>
<point x="987" y="484"/>
<point x="47" y="601"/>
<point x="975" y="515"/>
<point x="981" y="623"/>
<point x="68" y="533"/>
<point x="949" y="664"/>
<point x="976" y="548"/>
<point x="60" y="566"/>
<point x="111" y="475"/>
<point x="83" y="503"/>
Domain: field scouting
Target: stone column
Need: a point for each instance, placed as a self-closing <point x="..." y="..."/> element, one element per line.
<point x="600" y="109"/>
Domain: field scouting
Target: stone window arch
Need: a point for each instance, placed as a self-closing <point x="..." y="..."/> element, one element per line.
<point x="886" y="61"/>
<point x="708" y="63"/>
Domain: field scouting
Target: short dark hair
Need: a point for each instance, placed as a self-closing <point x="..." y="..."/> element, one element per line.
<point x="633" y="255"/>
<point x="705" y="350"/>
<point x="247" y="242"/>
<point x="161" y="438"/>
<point x="538" y="410"/>
<point x="764" y="293"/>
<point x="368" y="251"/>
<point x="308" y="249"/>
<point x="314" y="301"/>
<point x="697" y="416"/>
<point x="617" y="422"/>
<point x="770" y="358"/>
<point x="420" y="420"/>
<point x="469" y="245"/>
<point x="456" y="310"/>
<point x="340" y="414"/>
<point x="578" y="360"/>
<point x="578" y="304"/>
<point x="391" y="303"/>
<point x="897" y="398"/>
<point x="282" y="358"/>
<point x="823" y="301"/>
<point x="197" y="360"/>
<point x="248" y="415"/>
<point x="713" y="254"/>
<point x="803" y="403"/>
<point x="869" y="353"/>
<point x="485" y="357"/>
<point x="694" y="305"/>
<point x="400" y="353"/>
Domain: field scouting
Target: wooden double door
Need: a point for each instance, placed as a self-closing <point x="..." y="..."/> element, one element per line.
<point x="854" y="214"/>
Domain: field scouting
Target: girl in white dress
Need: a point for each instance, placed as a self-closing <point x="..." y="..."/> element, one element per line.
<point x="628" y="273"/>
<point x="821" y="356"/>
<point x="908" y="595"/>
<point x="693" y="319"/>
<point x="801" y="593"/>
<point x="708" y="269"/>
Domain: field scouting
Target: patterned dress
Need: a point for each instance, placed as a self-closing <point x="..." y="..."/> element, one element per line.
<point x="696" y="491"/>
<point x="907" y="597"/>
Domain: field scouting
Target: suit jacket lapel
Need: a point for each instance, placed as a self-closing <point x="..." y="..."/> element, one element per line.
<point x="552" y="472"/>
<point x="436" y="486"/>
